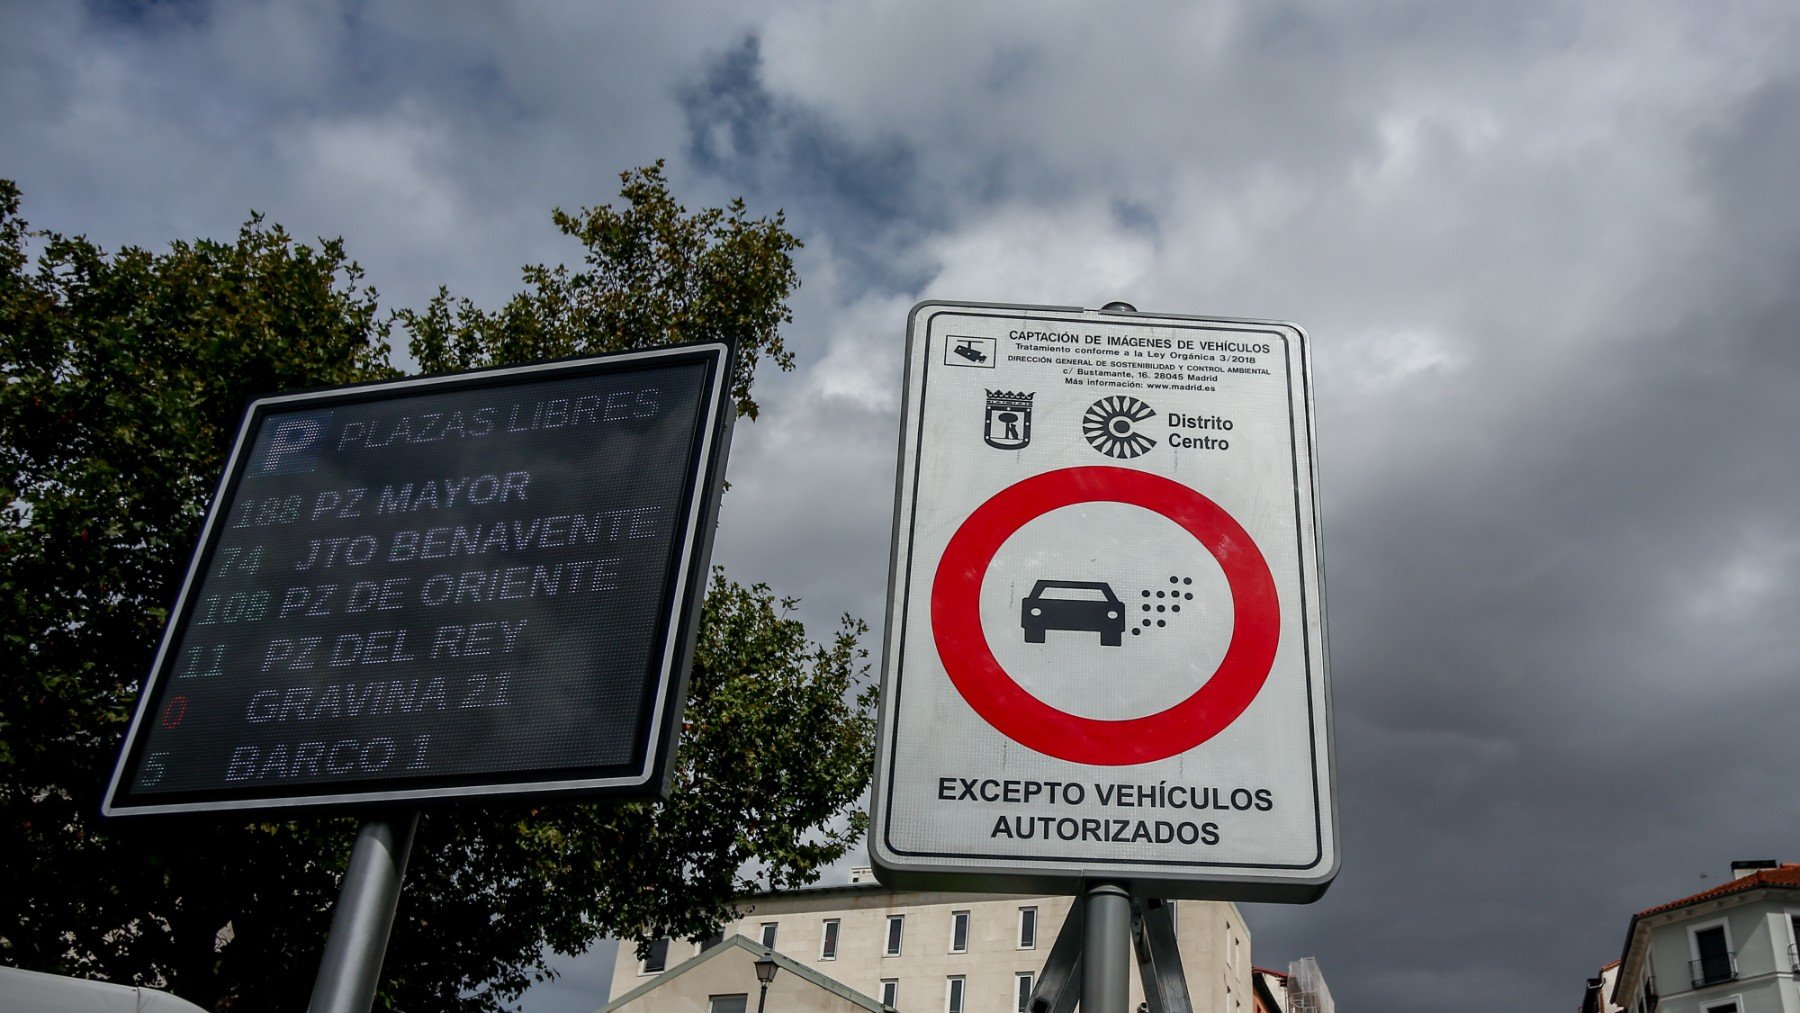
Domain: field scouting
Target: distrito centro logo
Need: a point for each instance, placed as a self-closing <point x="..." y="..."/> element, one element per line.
<point x="1111" y="426"/>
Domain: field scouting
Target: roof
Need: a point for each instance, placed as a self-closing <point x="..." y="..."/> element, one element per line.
<point x="1259" y="983"/>
<point x="783" y="961"/>
<point x="875" y="887"/>
<point x="1781" y="877"/>
<point x="810" y="889"/>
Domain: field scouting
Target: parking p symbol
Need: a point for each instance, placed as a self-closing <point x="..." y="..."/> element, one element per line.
<point x="290" y="445"/>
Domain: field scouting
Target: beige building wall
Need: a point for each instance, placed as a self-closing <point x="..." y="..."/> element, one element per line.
<point x="1214" y="945"/>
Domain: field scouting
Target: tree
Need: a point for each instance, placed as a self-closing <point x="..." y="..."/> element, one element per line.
<point x="124" y="376"/>
<point x="656" y="275"/>
<point x="774" y="753"/>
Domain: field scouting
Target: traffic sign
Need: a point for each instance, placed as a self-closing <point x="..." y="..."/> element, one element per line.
<point x="1105" y="638"/>
<point x="461" y="586"/>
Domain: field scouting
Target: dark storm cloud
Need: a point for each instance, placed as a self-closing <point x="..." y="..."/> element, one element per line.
<point x="1547" y="253"/>
<point x="1546" y="260"/>
<point x="1562" y="636"/>
<point x="148" y="14"/>
<point x="1555" y="393"/>
<point x="435" y="145"/>
<point x="1134" y="216"/>
<point x="1743" y="165"/>
<point x="1548" y="676"/>
<point x="785" y="154"/>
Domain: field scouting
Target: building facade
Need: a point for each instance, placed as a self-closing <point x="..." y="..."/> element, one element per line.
<point x="1732" y="949"/>
<point x="1270" y="988"/>
<point x="1597" y="997"/>
<point x="925" y="952"/>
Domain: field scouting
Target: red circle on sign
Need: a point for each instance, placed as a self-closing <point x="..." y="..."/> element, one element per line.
<point x="963" y="646"/>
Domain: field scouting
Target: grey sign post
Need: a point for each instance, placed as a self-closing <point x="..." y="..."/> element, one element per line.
<point x="1065" y="976"/>
<point x="350" y="972"/>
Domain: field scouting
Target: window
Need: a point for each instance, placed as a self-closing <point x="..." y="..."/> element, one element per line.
<point x="658" y="958"/>
<point x="953" y="995"/>
<point x="959" y="932"/>
<point x="713" y="939"/>
<point x="768" y="935"/>
<point x="890" y="992"/>
<point x="726" y="1003"/>
<point x="896" y="928"/>
<point x="1028" y="928"/>
<point x="1023" y="988"/>
<point x="1723" y="1007"/>
<point x="1711" y="948"/>
<point x="828" y="946"/>
<point x="1794" y="941"/>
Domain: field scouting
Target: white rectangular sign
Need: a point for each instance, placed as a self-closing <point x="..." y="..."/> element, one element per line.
<point x="1105" y="639"/>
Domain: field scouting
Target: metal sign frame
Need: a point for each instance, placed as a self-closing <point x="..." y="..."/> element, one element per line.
<point x="678" y="614"/>
<point x="1193" y="875"/>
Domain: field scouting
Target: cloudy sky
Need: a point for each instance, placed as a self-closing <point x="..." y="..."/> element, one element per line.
<point x="1549" y="255"/>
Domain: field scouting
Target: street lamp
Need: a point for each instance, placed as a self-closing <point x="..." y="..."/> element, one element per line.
<point x="765" y="973"/>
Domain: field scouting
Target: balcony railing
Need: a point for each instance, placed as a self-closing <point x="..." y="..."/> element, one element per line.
<point x="1712" y="969"/>
<point x="1650" y="996"/>
<point x="1794" y="957"/>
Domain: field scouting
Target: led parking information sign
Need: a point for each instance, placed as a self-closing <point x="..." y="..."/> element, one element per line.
<point x="473" y="585"/>
<point x="1105" y="650"/>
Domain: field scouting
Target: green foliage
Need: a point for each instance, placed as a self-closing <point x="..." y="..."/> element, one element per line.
<point x="124" y="376"/>
<point x="656" y="275"/>
<point x="774" y="755"/>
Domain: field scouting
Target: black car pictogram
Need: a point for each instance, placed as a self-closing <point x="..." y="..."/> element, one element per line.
<point x="1084" y="605"/>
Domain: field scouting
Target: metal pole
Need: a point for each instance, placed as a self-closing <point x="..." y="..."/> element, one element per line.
<point x="370" y="893"/>
<point x="1106" y="950"/>
<point x="1159" y="959"/>
<point x="1059" y="984"/>
<point x="762" y="998"/>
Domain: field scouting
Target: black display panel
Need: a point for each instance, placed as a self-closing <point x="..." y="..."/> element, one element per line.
<point x="482" y="584"/>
